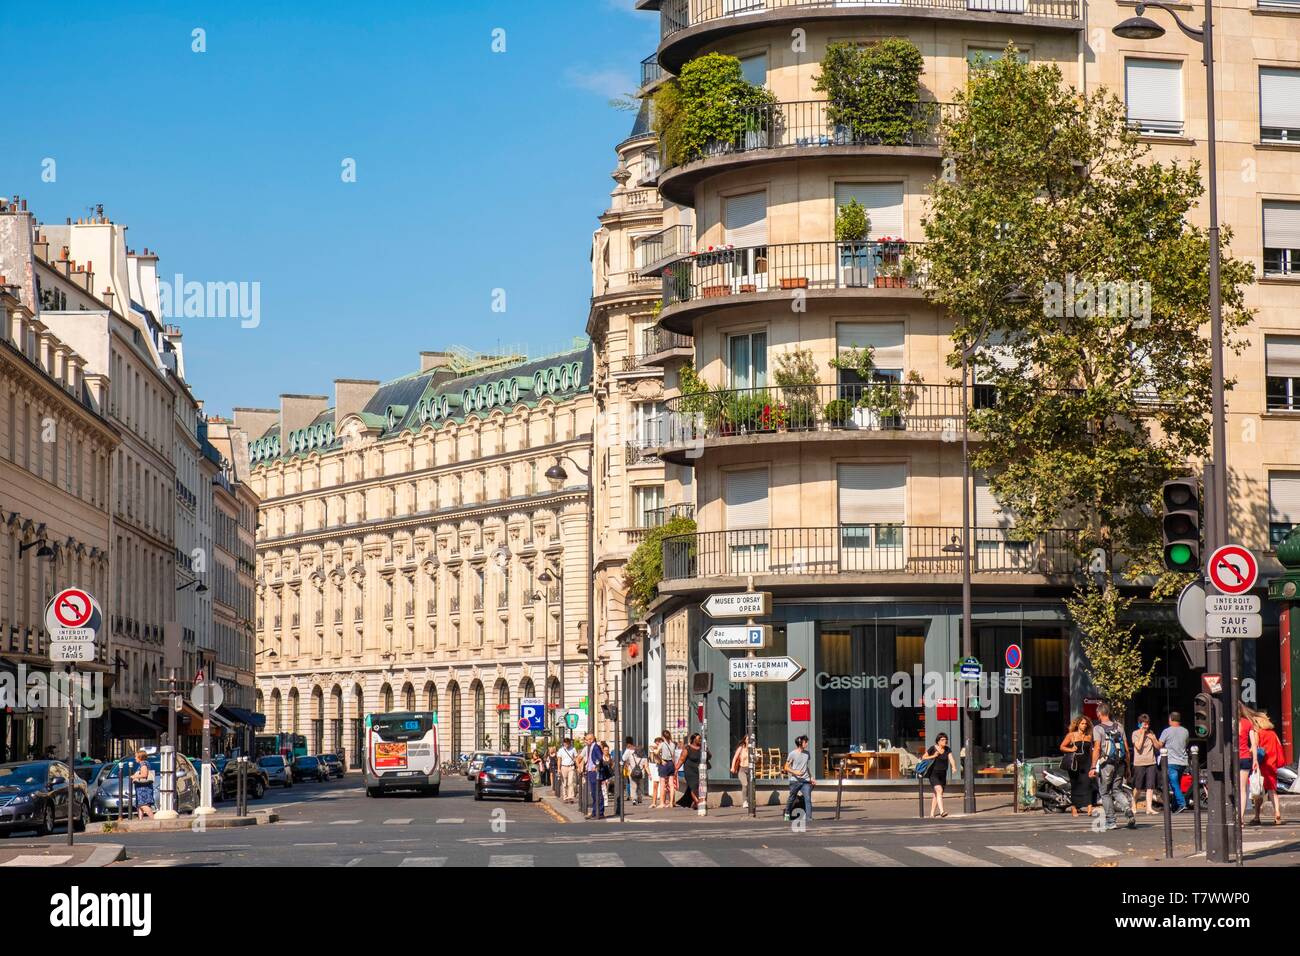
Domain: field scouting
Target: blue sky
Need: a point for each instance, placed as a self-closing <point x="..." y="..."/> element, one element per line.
<point x="475" y="170"/>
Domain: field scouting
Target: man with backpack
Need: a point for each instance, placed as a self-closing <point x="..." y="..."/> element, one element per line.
<point x="1110" y="764"/>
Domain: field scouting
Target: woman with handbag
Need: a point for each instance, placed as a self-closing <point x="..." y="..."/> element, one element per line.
<point x="1077" y="748"/>
<point x="740" y="767"/>
<point x="688" y="761"/>
<point x="934" y="767"/>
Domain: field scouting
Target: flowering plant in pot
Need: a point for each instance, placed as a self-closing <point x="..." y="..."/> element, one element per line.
<point x="852" y="226"/>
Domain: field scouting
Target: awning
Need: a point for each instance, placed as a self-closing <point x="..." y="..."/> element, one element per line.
<point x="127" y="724"/>
<point x="237" y="715"/>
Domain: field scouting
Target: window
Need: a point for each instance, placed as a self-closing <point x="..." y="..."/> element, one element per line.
<point x="1282" y="371"/>
<point x="754" y="68"/>
<point x="994" y="551"/>
<point x="871" y="505"/>
<point x="647" y="422"/>
<point x="747" y="359"/>
<point x="1281" y="238"/>
<point x="1154" y="94"/>
<point x="885" y="339"/>
<point x="1283" y="505"/>
<point x="747" y="519"/>
<point x="982" y="57"/>
<point x="1279" y="105"/>
<point x="883" y="203"/>
<point x="744" y="220"/>
<point x="646" y="499"/>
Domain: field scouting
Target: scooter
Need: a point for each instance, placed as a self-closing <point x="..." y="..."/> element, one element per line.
<point x="1054" y="791"/>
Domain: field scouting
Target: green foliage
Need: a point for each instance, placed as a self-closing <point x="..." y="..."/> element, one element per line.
<point x="838" y="412"/>
<point x="855" y="359"/>
<point x="748" y="410"/>
<point x="1095" y="406"/>
<point x="645" y="568"/>
<point x="1112" y="647"/>
<point x="873" y="91"/>
<point x="796" y="368"/>
<point x="852" y="224"/>
<point x="710" y="102"/>
<point x="695" y="392"/>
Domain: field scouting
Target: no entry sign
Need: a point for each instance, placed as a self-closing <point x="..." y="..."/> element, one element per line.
<point x="1233" y="569"/>
<point x="72" y="607"/>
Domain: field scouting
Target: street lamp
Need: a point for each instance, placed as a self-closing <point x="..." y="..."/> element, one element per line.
<point x="557" y="474"/>
<point x="44" y="551"/>
<point x="201" y="589"/>
<point x="1140" y="27"/>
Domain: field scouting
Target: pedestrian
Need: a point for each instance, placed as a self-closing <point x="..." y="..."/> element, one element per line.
<point x="690" y="761"/>
<point x="1146" y="750"/>
<point x="1248" y="751"/>
<point x="593" y="764"/>
<point x="652" y="772"/>
<point x="740" y="767"/>
<point x="941" y="760"/>
<point x="568" y="759"/>
<point x="631" y="772"/>
<point x="1110" y="764"/>
<point x="1173" y="741"/>
<point x="142" y="786"/>
<point x="798" y="767"/>
<point x="1077" y="748"/>
<point x="1274" y="757"/>
<point x="668" y="768"/>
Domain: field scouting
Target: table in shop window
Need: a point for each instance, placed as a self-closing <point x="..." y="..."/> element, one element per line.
<point x="874" y="763"/>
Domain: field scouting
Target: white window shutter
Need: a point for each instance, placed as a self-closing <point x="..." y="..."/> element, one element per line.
<point x="745" y="495"/>
<point x="988" y="513"/>
<point x="745" y="219"/>
<point x="1279" y="98"/>
<point x="1282" y="356"/>
<point x="883" y="202"/>
<point x="872" y="494"/>
<point x="1284" y="497"/>
<point x="1282" y="225"/>
<point x="1154" y="94"/>
<point x="886" y="338"/>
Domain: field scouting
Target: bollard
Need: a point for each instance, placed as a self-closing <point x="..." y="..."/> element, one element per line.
<point x="1162" y="765"/>
<point x="120" y="771"/>
<point x="920" y="797"/>
<point x="839" y="793"/>
<point x="1196" y="796"/>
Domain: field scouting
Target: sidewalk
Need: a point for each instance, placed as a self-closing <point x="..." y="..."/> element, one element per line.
<point x="49" y="854"/>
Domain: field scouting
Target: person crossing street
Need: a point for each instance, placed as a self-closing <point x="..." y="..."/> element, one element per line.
<point x="1110" y="764"/>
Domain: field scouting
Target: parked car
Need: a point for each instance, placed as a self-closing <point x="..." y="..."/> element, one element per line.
<point x="35" y="794"/>
<point x="278" y="771"/>
<point x="106" y="786"/>
<point x="309" y="768"/>
<point x="476" y="763"/>
<point x="218" y="764"/>
<point x="504" y="777"/>
<point x="332" y="764"/>
<point x="227" y="785"/>
<point x="89" y="771"/>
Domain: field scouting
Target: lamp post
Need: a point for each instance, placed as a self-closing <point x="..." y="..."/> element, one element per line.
<point x="556" y="473"/>
<point x="1140" y="27"/>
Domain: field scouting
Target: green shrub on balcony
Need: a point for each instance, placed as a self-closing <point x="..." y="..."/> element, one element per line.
<point x="645" y="568"/>
<point x="710" y="104"/>
<point x="873" y="91"/>
<point x="797" y="376"/>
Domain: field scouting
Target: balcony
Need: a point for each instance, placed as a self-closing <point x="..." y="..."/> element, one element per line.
<point x="320" y="616"/>
<point x="658" y="517"/>
<point x="659" y="346"/>
<point x="454" y="604"/>
<point x="410" y="608"/>
<point x="801" y="130"/>
<point x="478" y="602"/>
<point x="698" y="560"/>
<point x="338" y="615"/>
<point x="651" y="73"/>
<point x="431" y="606"/>
<point x="656" y="250"/>
<point x="357" y="614"/>
<point x="687" y="26"/>
<point x="651" y="167"/>
<point x="503" y="601"/>
<point x="729" y="276"/>
<point x="638" y="453"/>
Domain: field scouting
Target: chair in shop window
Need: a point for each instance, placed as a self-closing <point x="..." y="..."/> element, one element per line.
<point x="774" y="762"/>
<point x="760" y="763"/>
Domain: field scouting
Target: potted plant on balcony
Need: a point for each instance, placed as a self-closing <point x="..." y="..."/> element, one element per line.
<point x="707" y="110"/>
<point x="839" y="413"/>
<point x="873" y="91"/>
<point x="796" y="376"/>
<point x="852" y="225"/>
<point x="861" y="361"/>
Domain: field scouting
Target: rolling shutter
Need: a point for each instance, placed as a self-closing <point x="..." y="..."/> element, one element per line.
<point x="988" y="513"/>
<point x="1284" y="497"/>
<point x="745" y="220"/>
<point x="1282" y="225"/>
<point x="745" y="494"/>
<point x="883" y="202"/>
<point x="885" y="337"/>
<point x="1279" y="98"/>
<point x="872" y="494"/>
<point x="1282" y="356"/>
<point x="1154" y="94"/>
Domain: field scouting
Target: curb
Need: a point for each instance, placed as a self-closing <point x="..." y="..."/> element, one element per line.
<point x="179" y="824"/>
<point x="99" y="855"/>
<point x="104" y="854"/>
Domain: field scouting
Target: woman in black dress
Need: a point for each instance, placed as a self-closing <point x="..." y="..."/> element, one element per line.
<point x="1077" y="748"/>
<point x="941" y="759"/>
<point x="690" y="764"/>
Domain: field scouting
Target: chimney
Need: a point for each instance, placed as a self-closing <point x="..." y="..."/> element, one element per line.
<point x="432" y="360"/>
<point x="255" y="421"/>
<point x="351" y="396"/>
<point x="298" y="411"/>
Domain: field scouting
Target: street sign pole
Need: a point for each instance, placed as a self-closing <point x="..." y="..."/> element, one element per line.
<point x="72" y="750"/>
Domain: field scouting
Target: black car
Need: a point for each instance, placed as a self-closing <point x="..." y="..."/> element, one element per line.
<point x="504" y="777"/>
<point x="333" y="764"/>
<point x="226" y="786"/>
<point x="34" y="794"/>
<point x="309" y="768"/>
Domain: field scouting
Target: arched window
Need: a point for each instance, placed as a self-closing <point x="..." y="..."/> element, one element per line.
<point x="386" y="699"/>
<point x="293" y="710"/>
<point x="276" y="715"/>
<point x="480" y="716"/>
<point x="336" y="718"/>
<point x="503" y="714"/>
<point x="431" y="697"/>
<point x="408" y="697"/>
<point x="317" y="721"/>
<point x="453" y="697"/>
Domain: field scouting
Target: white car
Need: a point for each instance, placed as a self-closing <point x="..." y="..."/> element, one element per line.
<point x="476" y="763"/>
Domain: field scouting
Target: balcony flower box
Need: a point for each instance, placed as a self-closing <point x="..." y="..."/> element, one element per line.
<point x="715" y="291"/>
<point x="747" y="287"/>
<point x="796" y="282"/>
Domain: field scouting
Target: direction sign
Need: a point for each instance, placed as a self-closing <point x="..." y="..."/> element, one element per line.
<point x="1191" y="611"/>
<point x="751" y="670"/>
<point x="969" y="669"/>
<point x="739" y="604"/>
<point x="206" y="689"/>
<point x="1233" y="625"/>
<point x="1233" y="569"/>
<point x="738" y="635"/>
<point x="1232" y="604"/>
<point x="64" y="652"/>
<point x="1013" y="656"/>
<point x="532" y="715"/>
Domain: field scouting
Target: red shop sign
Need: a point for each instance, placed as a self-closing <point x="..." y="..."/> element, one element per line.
<point x="800" y="708"/>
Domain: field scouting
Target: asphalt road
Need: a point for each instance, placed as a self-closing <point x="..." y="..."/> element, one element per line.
<point x="335" y="825"/>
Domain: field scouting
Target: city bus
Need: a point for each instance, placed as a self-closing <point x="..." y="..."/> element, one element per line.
<point x="402" y="752"/>
<point x="287" y="745"/>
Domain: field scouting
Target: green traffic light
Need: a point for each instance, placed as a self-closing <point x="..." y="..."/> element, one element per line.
<point x="1180" y="554"/>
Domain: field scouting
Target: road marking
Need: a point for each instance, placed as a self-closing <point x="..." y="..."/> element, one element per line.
<point x="507" y="859"/>
<point x="687" y="858"/>
<point x="230" y="846"/>
<point x="315" y="844"/>
<point x="424" y="861"/>
<point x="353" y="862"/>
<point x="953" y="857"/>
<point x="1027" y="855"/>
<point x="451" y="820"/>
<point x="777" y="858"/>
<point x="294" y="823"/>
<point x="863" y="857"/>
<point x="1087" y="849"/>
<point x="397" y="821"/>
<point x="37" y="860"/>
<point x="600" y="859"/>
<point x="337" y="823"/>
<point x="1256" y="846"/>
<point x="157" y="863"/>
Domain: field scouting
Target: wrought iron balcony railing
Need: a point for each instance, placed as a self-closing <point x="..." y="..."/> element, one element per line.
<point x="657" y="339"/>
<point x="657" y="517"/>
<point x="651" y="71"/>
<point x="661" y="247"/>
<point x="865" y="549"/>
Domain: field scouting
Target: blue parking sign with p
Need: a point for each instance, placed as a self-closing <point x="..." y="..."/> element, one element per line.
<point x="532" y="715"/>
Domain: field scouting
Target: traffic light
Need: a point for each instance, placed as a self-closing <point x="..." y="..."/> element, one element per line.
<point x="1203" y="717"/>
<point x="1180" y="524"/>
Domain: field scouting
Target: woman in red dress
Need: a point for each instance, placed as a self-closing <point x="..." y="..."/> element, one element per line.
<point x="1274" y="757"/>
